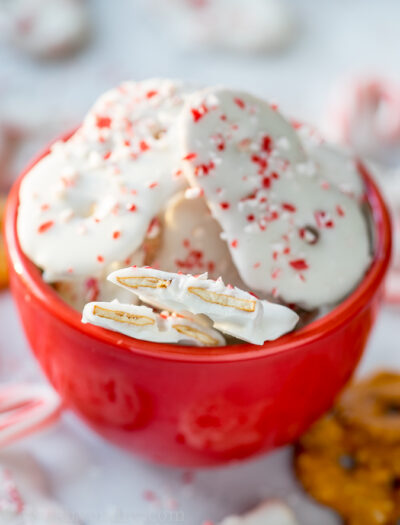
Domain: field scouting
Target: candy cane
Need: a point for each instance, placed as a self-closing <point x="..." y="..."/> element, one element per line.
<point x="25" y="409"/>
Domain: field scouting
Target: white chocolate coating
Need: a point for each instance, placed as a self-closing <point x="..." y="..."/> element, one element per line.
<point x="89" y="203"/>
<point x="335" y="164"/>
<point x="45" y="28"/>
<point x="271" y="512"/>
<point x="232" y="311"/>
<point x="191" y="241"/>
<point x="289" y="233"/>
<point x="141" y="322"/>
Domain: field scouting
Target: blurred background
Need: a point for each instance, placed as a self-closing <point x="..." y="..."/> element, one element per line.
<point x="57" y="56"/>
<point x="333" y="64"/>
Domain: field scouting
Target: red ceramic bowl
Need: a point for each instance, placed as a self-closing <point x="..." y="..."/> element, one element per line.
<point x="186" y="406"/>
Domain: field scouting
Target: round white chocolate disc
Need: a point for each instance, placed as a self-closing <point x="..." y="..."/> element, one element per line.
<point x="289" y="233"/>
<point x="191" y="241"/>
<point x="91" y="201"/>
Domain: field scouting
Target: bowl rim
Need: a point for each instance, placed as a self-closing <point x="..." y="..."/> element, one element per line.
<point x="123" y="345"/>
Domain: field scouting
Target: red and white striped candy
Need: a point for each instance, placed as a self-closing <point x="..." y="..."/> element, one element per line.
<point x="289" y="233"/>
<point x="25" y="409"/>
<point x="365" y="113"/>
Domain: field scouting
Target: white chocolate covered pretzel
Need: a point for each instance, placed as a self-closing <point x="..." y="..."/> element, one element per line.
<point x="231" y="310"/>
<point x="45" y="28"/>
<point x="90" y="202"/>
<point x="289" y="233"/>
<point x="143" y="323"/>
<point x="273" y="512"/>
<point x="191" y="240"/>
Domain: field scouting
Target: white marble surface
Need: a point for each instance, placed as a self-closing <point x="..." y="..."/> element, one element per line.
<point x="97" y="482"/>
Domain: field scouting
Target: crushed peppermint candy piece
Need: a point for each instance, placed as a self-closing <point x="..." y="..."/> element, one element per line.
<point x="232" y="311"/>
<point x="312" y="241"/>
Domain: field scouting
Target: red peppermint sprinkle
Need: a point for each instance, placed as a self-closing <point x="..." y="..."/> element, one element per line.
<point x="198" y="113"/>
<point x="340" y="211"/>
<point x="266" y="182"/>
<point x="103" y="122"/>
<point x="44" y="207"/>
<point x="132" y="207"/>
<point x="45" y="226"/>
<point x="107" y="155"/>
<point x="322" y="220"/>
<point x="266" y="144"/>
<point x="204" y="169"/>
<point x="250" y="217"/>
<point x="299" y="264"/>
<point x="275" y="274"/>
<point x="256" y="265"/>
<point x="149" y="495"/>
<point x="116" y="234"/>
<point x="239" y="102"/>
<point x="153" y="185"/>
<point x="262" y="163"/>
<point x="151" y="94"/>
<point x="235" y="243"/>
<point x="100" y="258"/>
<point x="143" y="145"/>
<point x="190" y="156"/>
<point x="288" y="207"/>
<point x="225" y="205"/>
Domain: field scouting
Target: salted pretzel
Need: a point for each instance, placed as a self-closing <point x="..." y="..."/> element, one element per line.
<point x="373" y="406"/>
<point x="143" y="323"/>
<point x="329" y="469"/>
<point x="232" y="311"/>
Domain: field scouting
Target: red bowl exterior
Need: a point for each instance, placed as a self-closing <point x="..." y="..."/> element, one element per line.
<point x="191" y="407"/>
